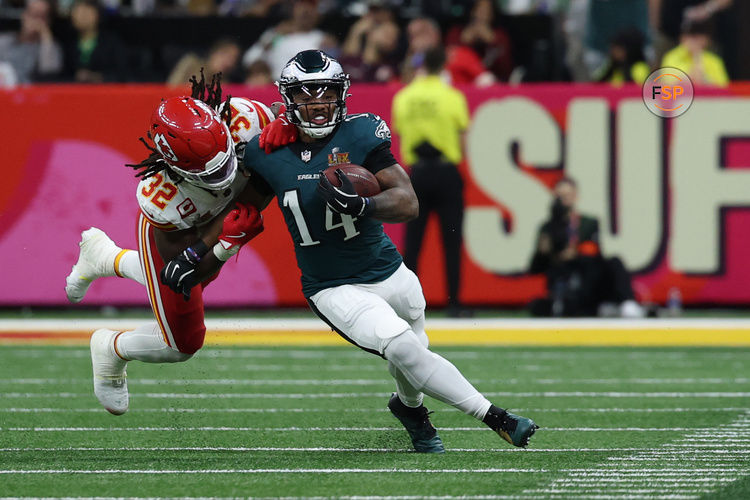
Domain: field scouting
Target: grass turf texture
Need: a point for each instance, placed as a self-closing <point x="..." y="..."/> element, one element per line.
<point x="304" y="422"/>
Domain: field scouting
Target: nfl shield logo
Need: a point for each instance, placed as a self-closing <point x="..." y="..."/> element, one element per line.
<point x="306" y="155"/>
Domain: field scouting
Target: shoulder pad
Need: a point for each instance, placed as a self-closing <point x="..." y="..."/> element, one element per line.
<point x="167" y="217"/>
<point x="370" y="127"/>
<point x="248" y="118"/>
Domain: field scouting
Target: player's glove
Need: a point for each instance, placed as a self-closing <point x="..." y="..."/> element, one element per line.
<point x="344" y="199"/>
<point x="277" y="133"/>
<point x="240" y="226"/>
<point x="180" y="274"/>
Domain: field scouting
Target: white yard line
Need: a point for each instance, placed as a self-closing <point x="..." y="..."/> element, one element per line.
<point x="323" y="449"/>
<point x="378" y="381"/>
<point x="242" y="395"/>
<point x="362" y="410"/>
<point x="316" y="353"/>
<point x="302" y="324"/>
<point x="273" y="471"/>
<point x="332" y="429"/>
<point x="218" y="382"/>
<point x="696" y="465"/>
<point x="347" y="497"/>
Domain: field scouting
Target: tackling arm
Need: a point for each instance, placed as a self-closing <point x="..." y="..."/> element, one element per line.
<point x="186" y="254"/>
<point x="194" y="256"/>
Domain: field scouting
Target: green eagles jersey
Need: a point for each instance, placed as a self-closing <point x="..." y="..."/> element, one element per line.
<point x="332" y="249"/>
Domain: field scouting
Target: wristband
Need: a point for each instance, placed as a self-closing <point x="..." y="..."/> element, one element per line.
<point x="223" y="254"/>
<point x="369" y="206"/>
<point x="196" y="252"/>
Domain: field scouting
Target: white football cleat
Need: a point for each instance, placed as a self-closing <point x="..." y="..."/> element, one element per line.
<point x="96" y="259"/>
<point x="110" y="378"/>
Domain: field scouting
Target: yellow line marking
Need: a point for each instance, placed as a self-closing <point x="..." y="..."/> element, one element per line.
<point x="532" y="336"/>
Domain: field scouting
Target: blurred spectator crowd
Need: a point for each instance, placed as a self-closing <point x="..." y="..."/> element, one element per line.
<point x="384" y="41"/>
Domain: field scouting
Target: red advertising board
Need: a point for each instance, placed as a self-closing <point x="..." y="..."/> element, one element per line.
<point x="670" y="194"/>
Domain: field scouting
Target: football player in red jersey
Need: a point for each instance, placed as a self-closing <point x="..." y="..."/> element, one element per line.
<point x="190" y="195"/>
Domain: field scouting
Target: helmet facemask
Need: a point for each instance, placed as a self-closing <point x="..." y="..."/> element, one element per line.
<point x="312" y="80"/>
<point x="195" y="142"/>
<point x="305" y="99"/>
<point x="219" y="172"/>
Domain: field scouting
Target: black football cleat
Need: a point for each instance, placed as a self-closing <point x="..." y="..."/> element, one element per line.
<point x="423" y="435"/>
<point x="513" y="428"/>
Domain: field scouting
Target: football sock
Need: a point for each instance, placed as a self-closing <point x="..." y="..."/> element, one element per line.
<point x="494" y="418"/>
<point x="434" y="375"/>
<point x="128" y="265"/>
<point x="146" y="343"/>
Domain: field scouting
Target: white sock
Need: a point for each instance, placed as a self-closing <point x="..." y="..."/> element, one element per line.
<point x="435" y="375"/>
<point x="448" y="385"/>
<point x="146" y="343"/>
<point x="128" y="265"/>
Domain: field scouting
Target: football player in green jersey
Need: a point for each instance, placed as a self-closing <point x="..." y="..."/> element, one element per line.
<point x="352" y="274"/>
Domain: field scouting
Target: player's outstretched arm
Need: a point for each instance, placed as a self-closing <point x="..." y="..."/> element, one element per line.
<point x="202" y="258"/>
<point x="397" y="201"/>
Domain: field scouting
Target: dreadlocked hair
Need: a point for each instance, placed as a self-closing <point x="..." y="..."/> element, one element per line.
<point x="211" y="95"/>
<point x="151" y="165"/>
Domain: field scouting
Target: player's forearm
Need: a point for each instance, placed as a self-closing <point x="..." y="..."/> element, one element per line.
<point x="208" y="266"/>
<point x="210" y="232"/>
<point x="395" y="205"/>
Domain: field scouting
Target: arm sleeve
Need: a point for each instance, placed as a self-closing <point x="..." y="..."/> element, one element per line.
<point x="249" y="163"/>
<point x="374" y="136"/>
<point x="379" y="158"/>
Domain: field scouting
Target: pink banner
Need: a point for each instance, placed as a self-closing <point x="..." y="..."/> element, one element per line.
<point x="671" y="195"/>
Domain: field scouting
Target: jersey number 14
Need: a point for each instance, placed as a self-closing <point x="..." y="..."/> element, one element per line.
<point x="291" y="201"/>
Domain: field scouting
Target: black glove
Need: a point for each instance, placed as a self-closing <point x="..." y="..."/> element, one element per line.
<point x="180" y="274"/>
<point x="344" y="199"/>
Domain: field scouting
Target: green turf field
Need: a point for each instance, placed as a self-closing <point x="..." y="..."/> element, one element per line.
<point x="311" y="422"/>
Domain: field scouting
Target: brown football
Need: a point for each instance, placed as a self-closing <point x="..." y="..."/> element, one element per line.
<point x="363" y="180"/>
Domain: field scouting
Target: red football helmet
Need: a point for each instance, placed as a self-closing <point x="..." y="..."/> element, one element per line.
<point x="195" y="142"/>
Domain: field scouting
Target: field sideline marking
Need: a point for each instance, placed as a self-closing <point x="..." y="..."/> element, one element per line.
<point x="647" y="332"/>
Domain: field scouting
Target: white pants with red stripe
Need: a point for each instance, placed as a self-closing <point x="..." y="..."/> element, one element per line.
<point x="181" y="322"/>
